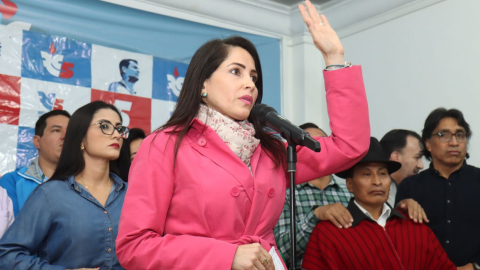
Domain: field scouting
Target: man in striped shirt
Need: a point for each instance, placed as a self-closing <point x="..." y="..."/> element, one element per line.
<point x="380" y="237"/>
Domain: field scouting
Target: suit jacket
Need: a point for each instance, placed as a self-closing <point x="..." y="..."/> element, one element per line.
<point x="402" y="244"/>
<point x="196" y="214"/>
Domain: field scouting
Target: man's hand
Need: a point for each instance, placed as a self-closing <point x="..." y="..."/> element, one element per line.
<point x="466" y="267"/>
<point x="414" y="210"/>
<point x="335" y="213"/>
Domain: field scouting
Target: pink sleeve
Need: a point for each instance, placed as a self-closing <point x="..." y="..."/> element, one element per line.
<point x="350" y="139"/>
<point x="141" y="242"/>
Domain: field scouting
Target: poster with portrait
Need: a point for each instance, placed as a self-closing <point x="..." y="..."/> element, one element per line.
<point x="40" y="73"/>
<point x="122" y="72"/>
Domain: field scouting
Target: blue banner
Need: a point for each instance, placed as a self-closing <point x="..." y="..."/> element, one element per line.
<point x="56" y="59"/>
<point x="129" y="29"/>
<point x="167" y="86"/>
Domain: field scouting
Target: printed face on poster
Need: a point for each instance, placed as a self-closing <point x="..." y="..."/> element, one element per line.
<point x="40" y="73"/>
<point x="122" y="72"/>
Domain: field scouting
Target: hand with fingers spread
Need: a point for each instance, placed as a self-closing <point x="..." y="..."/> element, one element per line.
<point x="324" y="37"/>
<point x="414" y="210"/>
<point x="252" y="256"/>
<point x="335" y="213"/>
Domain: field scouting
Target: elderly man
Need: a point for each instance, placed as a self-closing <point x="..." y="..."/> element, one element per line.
<point x="380" y="237"/>
<point x="322" y="199"/>
<point x="449" y="189"/>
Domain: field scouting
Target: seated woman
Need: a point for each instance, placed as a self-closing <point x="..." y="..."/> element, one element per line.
<point x="71" y="221"/>
<point x="128" y="151"/>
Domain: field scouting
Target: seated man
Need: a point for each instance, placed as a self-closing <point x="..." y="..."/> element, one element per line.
<point x="380" y="237"/>
<point x="318" y="200"/>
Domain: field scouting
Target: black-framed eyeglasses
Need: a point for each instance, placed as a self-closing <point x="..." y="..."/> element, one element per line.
<point x="108" y="128"/>
<point x="446" y="136"/>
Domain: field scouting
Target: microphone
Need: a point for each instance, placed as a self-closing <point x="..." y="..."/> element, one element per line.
<point x="269" y="117"/>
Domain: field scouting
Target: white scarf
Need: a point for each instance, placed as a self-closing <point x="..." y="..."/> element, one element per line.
<point x="239" y="136"/>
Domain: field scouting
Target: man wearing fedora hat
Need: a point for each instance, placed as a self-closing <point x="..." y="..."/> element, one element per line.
<point x="380" y="237"/>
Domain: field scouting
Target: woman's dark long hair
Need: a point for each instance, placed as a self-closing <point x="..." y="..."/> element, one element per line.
<point x="203" y="64"/>
<point x="123" y="162"/>
<point x="71" y="159"/>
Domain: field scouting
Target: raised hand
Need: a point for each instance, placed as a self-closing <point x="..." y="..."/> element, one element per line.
<point x="324" y="37"/>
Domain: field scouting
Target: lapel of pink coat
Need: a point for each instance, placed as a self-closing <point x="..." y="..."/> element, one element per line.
<point x="207" y="143"/>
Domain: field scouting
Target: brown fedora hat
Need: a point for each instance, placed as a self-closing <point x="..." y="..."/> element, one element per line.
<point x="375" y="154"/>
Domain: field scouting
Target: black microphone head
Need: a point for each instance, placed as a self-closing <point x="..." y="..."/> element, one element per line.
<point x="260" y="111"/>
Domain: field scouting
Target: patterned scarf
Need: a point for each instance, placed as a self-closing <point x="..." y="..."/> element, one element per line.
<point x="239" y="136"/>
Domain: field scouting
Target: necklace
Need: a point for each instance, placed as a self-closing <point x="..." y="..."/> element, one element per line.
<point x="80" y="179"/>
<point x="82" y="182"/>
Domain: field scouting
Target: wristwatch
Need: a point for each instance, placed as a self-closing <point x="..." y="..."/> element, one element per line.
<point x="334" y="67"/>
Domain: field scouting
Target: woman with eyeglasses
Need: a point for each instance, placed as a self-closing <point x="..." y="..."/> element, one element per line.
<point x="71" y="221"/>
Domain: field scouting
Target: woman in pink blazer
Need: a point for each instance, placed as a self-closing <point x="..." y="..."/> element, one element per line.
<point x="206" y="190"/>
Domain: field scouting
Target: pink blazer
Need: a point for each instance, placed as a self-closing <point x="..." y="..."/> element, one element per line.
<point x="196" y="214"/>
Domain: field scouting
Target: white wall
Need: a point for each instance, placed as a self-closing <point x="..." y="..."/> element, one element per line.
<point x="415" y="63"/>
<point x="416" y="57"/>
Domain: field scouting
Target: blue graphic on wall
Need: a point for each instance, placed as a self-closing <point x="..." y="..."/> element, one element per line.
<point x="26" y="151"/>
<point x="168" y="79"/>
<point x="56" y="59"/>
<point x="47" y="100"/>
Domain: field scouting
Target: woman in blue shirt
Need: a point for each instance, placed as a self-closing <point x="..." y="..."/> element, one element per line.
<point x="71" y="221"/>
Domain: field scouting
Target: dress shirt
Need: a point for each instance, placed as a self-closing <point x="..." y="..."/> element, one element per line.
<point x="63" y="226"/>
<point x="393" y="193"/>
<point x="382" y="220"/>
<point x="452" y="206"/>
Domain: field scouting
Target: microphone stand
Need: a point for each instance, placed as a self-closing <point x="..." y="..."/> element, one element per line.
<point x="292" y="168"/>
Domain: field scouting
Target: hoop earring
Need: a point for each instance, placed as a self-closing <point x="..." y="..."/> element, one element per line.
<point x="204" y="94"/>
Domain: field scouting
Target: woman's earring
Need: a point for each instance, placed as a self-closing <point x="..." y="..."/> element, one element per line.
<point x="82" y="147"/>
<point x="204" y="94"/>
